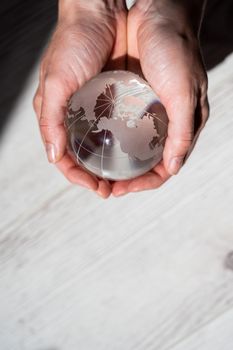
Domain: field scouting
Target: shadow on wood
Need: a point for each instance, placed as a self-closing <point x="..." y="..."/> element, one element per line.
<point x="24" y="29"/>
<point x="25" y="26"/>
<point x="216" y="33"/>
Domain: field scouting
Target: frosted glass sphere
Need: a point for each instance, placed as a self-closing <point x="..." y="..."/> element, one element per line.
<point x="116" y="126"/>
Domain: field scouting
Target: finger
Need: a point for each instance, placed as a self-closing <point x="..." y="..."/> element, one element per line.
<point x="55" y="95"/>
<point x="37" y="102"/>
<point x="145" y="182"/>
<point x="120" y="188"/>
<point x="180" y="108"/>
<point x="161" y="171"/>
<point x="104" y="189"/>
<point x="37" y="99"/>
<point x="151" y="180"/>
<point x="204" y="118"/>
<point x="75" y="174"/>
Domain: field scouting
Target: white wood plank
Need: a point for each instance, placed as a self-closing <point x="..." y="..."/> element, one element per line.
<point x="139" y="272"/>
<point x="26" y="178"/>
<point x="216" y="335"/>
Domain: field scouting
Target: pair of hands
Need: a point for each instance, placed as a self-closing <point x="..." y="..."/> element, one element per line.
<point x="155" y="39"/>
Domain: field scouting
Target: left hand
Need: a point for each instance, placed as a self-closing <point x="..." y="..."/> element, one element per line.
<point x="170" y="59"/>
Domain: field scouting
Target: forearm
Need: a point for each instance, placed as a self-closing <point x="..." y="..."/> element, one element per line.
<point x="179" y="12"/>
<point x="67" y="6"/>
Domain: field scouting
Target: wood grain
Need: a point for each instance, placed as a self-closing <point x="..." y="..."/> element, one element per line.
<point x="215" y="335"/>
<point x="146" y="271"/>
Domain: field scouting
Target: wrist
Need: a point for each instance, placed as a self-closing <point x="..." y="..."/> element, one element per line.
<point x="182" y="14"/>
<point x="70" y="8"/>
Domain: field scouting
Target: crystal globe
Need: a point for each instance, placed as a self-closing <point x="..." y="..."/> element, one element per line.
<point x="116" y="126"/>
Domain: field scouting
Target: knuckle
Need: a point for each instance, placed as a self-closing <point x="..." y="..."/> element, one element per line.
<point x="205" y="78"/>
<point x="52" y="81"/>
<point x="54" y="86"/>
<point x="44" y="122"/>
<point x="204" y="84"/>
<point x="205" y="115"/>
<point x="206" y="112"/>
<point x="42" y="69"/>
<point x="36" y="102"/>
<point x="185" y="99"/>
<point x="71" y="180"/>
<point x="183" y="142"/>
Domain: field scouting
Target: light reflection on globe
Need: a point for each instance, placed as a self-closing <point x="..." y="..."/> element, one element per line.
<point x="116" y="126"/>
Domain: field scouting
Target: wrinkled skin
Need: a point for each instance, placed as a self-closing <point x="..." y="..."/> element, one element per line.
<point x="166" y="55"/>
<point x="171" y="62"/>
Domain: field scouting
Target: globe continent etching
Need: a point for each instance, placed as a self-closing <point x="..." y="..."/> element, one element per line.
<point x="116" y="114"/>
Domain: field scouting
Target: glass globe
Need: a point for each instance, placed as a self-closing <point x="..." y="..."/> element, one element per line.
<point x="116" y="126"/>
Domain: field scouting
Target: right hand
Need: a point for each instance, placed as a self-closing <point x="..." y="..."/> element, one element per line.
<point x="88" y="38"/>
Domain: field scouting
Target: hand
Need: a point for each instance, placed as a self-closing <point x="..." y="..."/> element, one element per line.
<point x="164" y="38"/>
<point x="89" y="37"/>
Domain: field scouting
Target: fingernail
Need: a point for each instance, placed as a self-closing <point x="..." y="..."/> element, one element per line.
<point x="120" y="193"/>
<point x="175" y="165"/>
<point x="101" y="196"/>
<point x="134" y="189"/>
<point x="51" y="152"/>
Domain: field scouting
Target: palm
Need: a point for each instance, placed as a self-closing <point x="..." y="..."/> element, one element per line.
<point x="81" y="51"/>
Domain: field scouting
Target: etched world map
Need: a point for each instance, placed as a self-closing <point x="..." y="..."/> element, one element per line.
<point x="116" y="125"/>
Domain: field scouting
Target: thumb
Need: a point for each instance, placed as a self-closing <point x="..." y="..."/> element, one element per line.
<point x="180" y="109"/>
<point x="54" y="99"/>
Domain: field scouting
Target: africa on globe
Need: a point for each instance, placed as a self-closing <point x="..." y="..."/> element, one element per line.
<point x="116" y="126"/>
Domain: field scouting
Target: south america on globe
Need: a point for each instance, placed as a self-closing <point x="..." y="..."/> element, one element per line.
<point x="116" y="126"/>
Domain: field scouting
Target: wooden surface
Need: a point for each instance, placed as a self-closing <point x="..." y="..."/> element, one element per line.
<point x="148" y="271"/>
